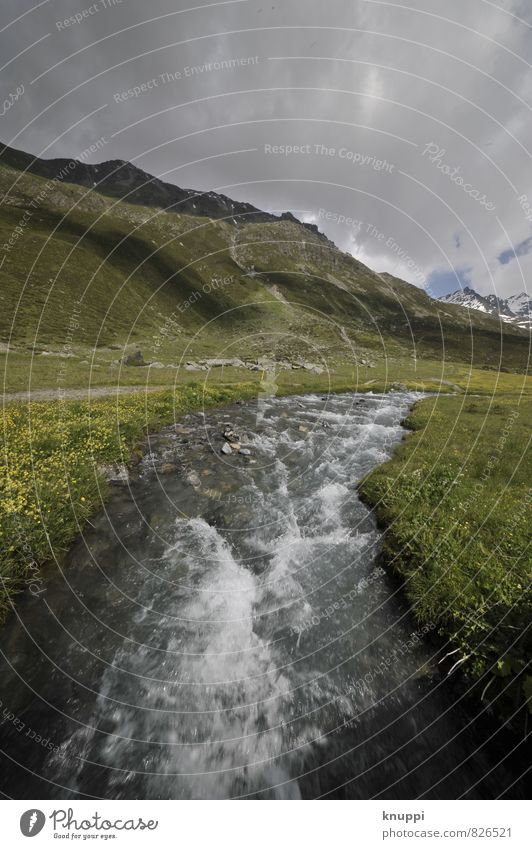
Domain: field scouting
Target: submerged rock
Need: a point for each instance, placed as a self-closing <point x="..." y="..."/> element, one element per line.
<point x="193" y="479"/>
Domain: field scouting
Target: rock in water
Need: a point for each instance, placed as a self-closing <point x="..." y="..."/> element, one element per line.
<point x="167" y="469"/>
<point x="230" y="435"/>
<point x="193" y="479"/>
<point x="226" y="448"/>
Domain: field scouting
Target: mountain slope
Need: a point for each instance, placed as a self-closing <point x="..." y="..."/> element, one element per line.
<point x="517" y="309"/>
<point x="215" y="277"/>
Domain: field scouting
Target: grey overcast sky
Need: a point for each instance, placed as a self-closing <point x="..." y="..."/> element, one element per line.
<point x="412" y="120"/>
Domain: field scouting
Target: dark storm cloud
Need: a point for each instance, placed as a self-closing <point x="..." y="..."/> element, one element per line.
<point x="403" y="131"/>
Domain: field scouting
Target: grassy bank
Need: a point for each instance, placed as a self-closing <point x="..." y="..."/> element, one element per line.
<point x="50" y="470"/>
<point x="455" y="502"/>
<point x="23" y="371"/>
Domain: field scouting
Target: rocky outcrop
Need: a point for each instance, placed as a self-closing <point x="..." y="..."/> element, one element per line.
<point x="261" y="364"/>
<point x="135" y="359"/>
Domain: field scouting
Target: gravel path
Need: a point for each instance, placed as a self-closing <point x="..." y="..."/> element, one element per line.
<point x="77" y="394"/>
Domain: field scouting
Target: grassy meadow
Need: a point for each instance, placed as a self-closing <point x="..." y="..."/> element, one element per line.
<point x="23" y="372"/>
<point x="455" y="504"/>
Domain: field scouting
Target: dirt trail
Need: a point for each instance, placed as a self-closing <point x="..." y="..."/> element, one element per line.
<point x="77" y="394"/>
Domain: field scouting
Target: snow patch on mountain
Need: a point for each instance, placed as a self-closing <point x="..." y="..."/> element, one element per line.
<point x="517" y="309"/>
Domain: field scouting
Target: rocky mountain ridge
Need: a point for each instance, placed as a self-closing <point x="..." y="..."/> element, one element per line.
<point x="123" y="180"/>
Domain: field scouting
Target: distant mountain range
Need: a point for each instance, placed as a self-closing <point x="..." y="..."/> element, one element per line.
<point x="516" y="310"/>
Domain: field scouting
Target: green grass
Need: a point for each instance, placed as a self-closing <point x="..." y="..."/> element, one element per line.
<point x="455" y="505"/>
<point x="51" y="479"/>
<point x="23" y="371"/>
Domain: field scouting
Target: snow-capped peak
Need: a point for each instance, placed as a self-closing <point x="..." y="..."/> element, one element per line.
<point x="517" y="309"/>
<point x="520" y="304"/>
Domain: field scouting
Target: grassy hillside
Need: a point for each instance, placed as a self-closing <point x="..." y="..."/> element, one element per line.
<point x="96" y="273"/>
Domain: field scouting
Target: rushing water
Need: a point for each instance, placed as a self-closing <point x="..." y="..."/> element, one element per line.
<point x="223" y="630"/>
